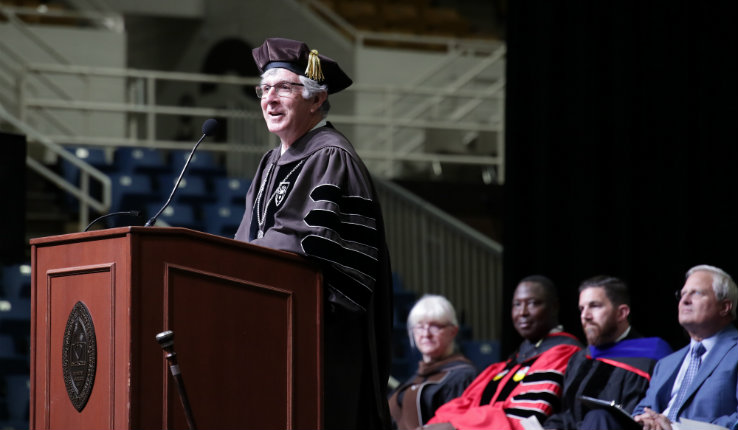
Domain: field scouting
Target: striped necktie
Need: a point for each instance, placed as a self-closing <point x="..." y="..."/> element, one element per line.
<point x="694" y="365"/>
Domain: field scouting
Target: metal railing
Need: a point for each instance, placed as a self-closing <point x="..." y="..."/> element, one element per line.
<point x="436" y="253"/>
<point x="143" y="112"/>
<point x="365" y="38"/>
<point x="453" y="101"/>
<point x="95" y="13"/>
<point x="433" y="251"/>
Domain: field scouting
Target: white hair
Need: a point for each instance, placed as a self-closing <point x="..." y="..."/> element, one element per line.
<point x="722" y="284"/>
<point x="431" y="307"/>
<point x="309" y="89"/>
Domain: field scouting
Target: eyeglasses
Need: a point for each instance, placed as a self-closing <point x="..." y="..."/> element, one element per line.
<point x="679" y="294"/>
<point x="283" y="89"/>
<point x="432" y="328"/>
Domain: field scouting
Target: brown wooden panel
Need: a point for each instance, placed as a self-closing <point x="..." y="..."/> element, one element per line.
<point x="65" y="269"/>
<point x="93" y="286"/>
<point x="246" y="335"/>
<point x="247" y="323"/>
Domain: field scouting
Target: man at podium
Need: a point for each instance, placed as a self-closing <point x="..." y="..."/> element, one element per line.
<point x="312" y="195"/>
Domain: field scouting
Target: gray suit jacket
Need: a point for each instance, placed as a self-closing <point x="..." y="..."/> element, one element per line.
<point x="713" y="395"/>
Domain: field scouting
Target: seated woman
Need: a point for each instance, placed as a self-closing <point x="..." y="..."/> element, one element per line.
<point x="529" y="383"/>
<point x="442" y="375"/>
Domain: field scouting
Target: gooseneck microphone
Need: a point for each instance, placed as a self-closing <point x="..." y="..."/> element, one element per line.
<point x="208" y="129"/>
<point x="100" y="218"/>
<point x="166" y="341"/>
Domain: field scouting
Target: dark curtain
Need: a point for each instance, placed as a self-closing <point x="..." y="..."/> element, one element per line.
<point x="13" y="243"/>
<point x="622" y="149"/>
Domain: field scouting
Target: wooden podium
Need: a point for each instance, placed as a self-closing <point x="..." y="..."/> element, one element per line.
<point x="246" y="319"/>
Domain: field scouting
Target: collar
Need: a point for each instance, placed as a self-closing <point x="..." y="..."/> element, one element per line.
<point x="559" y="328"/>
<point x="321" y="123"/>
<point x="624" y="335"/>
<point x="708" y="343"/>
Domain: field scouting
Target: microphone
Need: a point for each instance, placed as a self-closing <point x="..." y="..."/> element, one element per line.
<point x="100" y="218"/>
<point x="166" y="341"/>
<point x="208" y="129"/>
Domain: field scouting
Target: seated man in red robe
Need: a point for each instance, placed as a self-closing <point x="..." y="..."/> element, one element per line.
<point x="530" y="382"/>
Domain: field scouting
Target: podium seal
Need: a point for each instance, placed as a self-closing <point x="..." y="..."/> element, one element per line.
<point x="79" y="356"/>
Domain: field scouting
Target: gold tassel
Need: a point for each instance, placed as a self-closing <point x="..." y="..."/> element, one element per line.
<point x="314" y="70"/>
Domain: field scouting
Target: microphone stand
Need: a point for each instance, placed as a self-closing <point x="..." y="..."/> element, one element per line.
<point x="166" y="340"/>
<point x="208" y="128"/>
<point x="100" y="218"/>
<point x="153" y="219"/>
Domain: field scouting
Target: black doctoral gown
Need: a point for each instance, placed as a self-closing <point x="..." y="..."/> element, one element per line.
<point x="318" y="200"/>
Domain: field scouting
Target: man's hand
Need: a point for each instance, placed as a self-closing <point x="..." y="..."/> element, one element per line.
<point x="650" y="420"/>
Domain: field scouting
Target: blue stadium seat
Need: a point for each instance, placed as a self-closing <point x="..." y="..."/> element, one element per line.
<point x="7" y="346"/>
<point x="404" y="357"/>
<point x="481" y="352"/>
<point x="93" y="156"/>
<point x="192" y="188"/>
<point x="18" y="397"/>
<point x="15" y="332"/>
<point x="131" y="191"/>
<point x="397" y="284"/>
<point x="176" y="215"/>
<point x="222" y="219"/>
<point x="202" y="162"/>
<point x="14" y="309"/>
<point x="16" y="281"/>
<point x="403" y="301"/>
<point x="140" y="160"/>
<point x="230" y="190"/>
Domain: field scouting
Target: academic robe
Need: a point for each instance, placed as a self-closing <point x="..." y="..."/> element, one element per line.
<point x="618" y="372"/>
<point x="415" y="401"/>
<point x="318" y="200"/>
<point x="527" y="384"/>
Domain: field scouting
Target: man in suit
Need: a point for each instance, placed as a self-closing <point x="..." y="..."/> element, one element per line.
<point x="700" y="381"/>
<point x="616" y="365"/>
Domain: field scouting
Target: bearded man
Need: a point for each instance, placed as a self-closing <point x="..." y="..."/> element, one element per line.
<point x="616" y="366"/>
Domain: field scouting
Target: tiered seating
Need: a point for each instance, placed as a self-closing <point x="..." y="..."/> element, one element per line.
<point x="176" y="215"/>
<point x="223" y="216"/>
<point x="140" y="160"/>
<point x="96" y="157"/>
<point x="202" y="162"/>
<point x="130" y="191"/>
<point x="143" y="178"/>
<point x="418" y="17"/>
<point x="41" y="12"/>
<point x="445" y="21"/>
<point x="404" y="357"/>
<point x="222" y="219"/>
<point x="481" y="352"/>
<point x="93" y="156"/>
<point x="15" y="332"/>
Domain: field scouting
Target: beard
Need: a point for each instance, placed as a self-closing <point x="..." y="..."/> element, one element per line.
<point x="600" y="334"/>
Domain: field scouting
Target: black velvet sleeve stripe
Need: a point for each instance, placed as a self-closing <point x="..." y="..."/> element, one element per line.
<point x="525" y="413"/>
<point x="347" y="204"/>
<point x="328" y="250"/>
<point x="348" y="231"/>
<point x="347" y="288"/>
<point x="553" y="377"/>
<point x="539" y="396"/>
